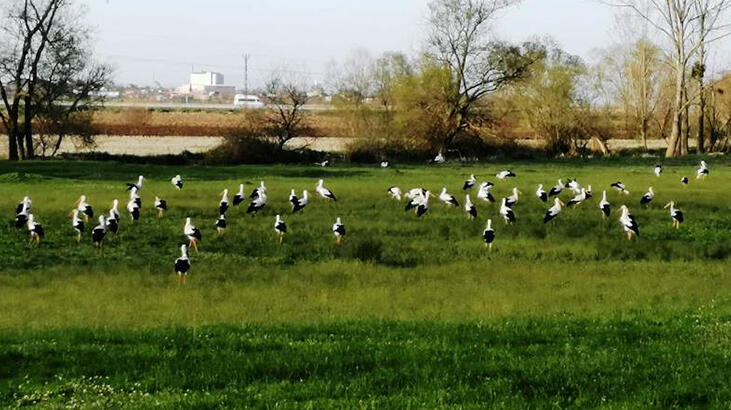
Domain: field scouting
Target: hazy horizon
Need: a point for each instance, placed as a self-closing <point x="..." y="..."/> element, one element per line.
<point x="163" y="41"/>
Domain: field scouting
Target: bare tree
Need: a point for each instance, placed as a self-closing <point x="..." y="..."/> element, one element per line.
<point x="285" y="117"/>
<point x="43" y="59"/>
<point x="459" y="41"/>
<point x="688" y="25"/>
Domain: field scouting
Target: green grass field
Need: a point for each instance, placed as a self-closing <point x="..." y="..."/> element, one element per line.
<point x="406" y="313"/>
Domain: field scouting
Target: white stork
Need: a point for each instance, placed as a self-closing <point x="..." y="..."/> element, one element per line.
<point x="628" y="222"/>
<point x="553" y="211"/>
<point x="182" y="264"/>
<point x="578" y="198"/>
<point x="35" y="229"/>
<point x="505" y="174"/>
<point x="448" y="198"/>
<point x="135" y="196"/>
<point x="113" y="218"/>
<point x="257" y="203"/>
<point x="134" y="210"/>
<point x="439" y="159"/>
<point x="469" y="183"/>
<point x="604" y="205"/>
<point x="574" y="186"/>
<point x="385" y="164"/>
<point x="675" y="214"/>
<point x="99" y="231"/>
<point x="161" y="205"/>
<point x="488" y="235"/>
<point x="484" y="192"/>
<point x="77" y="224"/>
<point x="223" y="203"/>
<point x="469" y="207"/>
<point x="684" y="180"/>
<point x="221" y="225"/>
<point x="647" y="197"/>
<point x="556" y="189"/>
<point x="239" y="197"/>
<point x="658" y="170"/>
<point x="619" y="186"/>
<point x="702" y="171"/>
<point x="192" y="233"/>
<point x="21" y="213"/>
<point x="415" y="192"/>
<point x="513" y="199"/>
<point x="395" y="192"/>
<point x="324" y="192"/>
<point x="84" y="208"/>
<point x="137" y="186"/>
<point x="541" y="193"/>
<point x="177" y="181"/>
<point x="280" y="227"/>
<point x="507" y="212"/>
<point x="256" y="192"/>
<point x="338" y="231"/>
<point x="299" y="204"/>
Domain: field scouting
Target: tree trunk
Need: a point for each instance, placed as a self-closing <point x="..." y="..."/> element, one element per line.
<point x="686" y="122"/>
<point x="643" y="131"/>
<point x="701" y="117"/>
<point x="672" y="150"/>
<point x="28" y="131"/>
<point x="12" y="145"/>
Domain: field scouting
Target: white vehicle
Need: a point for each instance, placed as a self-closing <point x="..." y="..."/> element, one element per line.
<point x="247" y="101"/>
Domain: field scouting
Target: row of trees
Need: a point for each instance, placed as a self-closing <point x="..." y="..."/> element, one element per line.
<point x="47" y="75"/>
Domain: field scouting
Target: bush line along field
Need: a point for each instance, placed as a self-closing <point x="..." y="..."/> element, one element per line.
<point x="408" y="312"/>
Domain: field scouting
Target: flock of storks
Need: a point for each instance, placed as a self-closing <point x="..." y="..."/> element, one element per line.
<point x="418" y="200"/>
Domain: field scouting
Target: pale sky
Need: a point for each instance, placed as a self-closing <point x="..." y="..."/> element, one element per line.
<point x="162" y="40"/>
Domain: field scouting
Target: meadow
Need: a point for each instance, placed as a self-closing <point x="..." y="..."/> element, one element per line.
<point x="406" y="313"/>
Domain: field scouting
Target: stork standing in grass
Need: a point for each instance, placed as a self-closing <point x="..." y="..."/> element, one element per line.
<point x="134" y="210"/>
<point x="604" y="205"/>
<point x="470" y="183"/>
<point x="192" y="233"/>
<point x="513" y="199"/>
<point x="99" y="231"/>
<point x="221" y="225"/>
<point x="505" y="174"/>
<point x="619" y="186"/>
<point x="588" y="192"/>
<point x="702" y="171"/>
<point x="488" y="235"/>
<point x="448" y="198"/>
<point x="395" y="192"/>
<point x="135" y="196"/>
<point x="628" y="222"/>
<point x="113" y="218"/>
<point x="578" y="198"/>
<point x="553" y="211"/>
<point x="574" y="186"/>
<point x="35" y="229"/>
<point x="556" y="189"/>
<point x="658" y="170"/>
<point x="541" y="193"/>
<point x="136" y="186"/>
<point x="257" y="204"/>
<point x="684" y="180"/>
<point x="177" y="182"/>
<point x="280" y="227"/>
<point x="77" y="224"/>
<point x="84" y="208"/>
<point x="484" y="192"/>
<point x="647" y="197"/>
<point x="324" y="192"/>
<point x="423" y="206"/>
<point x="469" y="207"/>
<point x="675" y="214"/>
<point x="21" y="213"/>
<point x="385" y="164"/>
<point x="223" y="203"/>
<point x="26" y="204"/>
<point x="256" y="192"/>
<point x="239" y="196"/>
<point x="415" y="192"/>
<point x="182" y="264"/>
<point x="338" y="231"/>
<point x="161" y="206"/>
<point x="299" y="204"/>
<point x="507" y="212"/>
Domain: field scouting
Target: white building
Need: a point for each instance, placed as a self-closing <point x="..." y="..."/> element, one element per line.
<point x="207" y="84"/>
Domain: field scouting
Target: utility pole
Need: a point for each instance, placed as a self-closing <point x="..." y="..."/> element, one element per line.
<point x="246" y="74"/>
